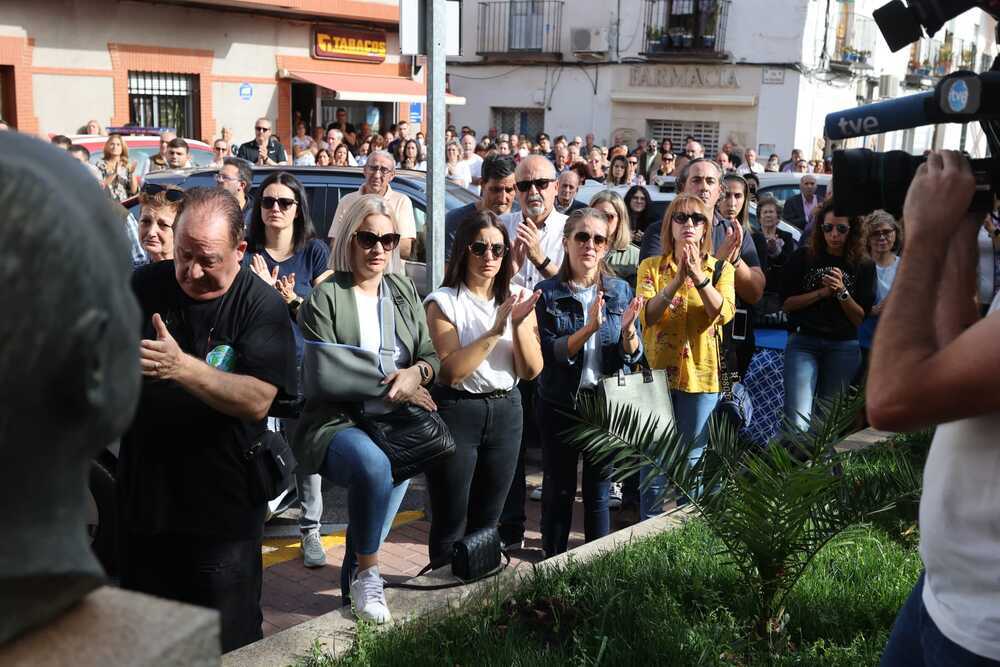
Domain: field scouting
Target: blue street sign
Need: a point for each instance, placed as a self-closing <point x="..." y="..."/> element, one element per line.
<point x="416" y="113"/>
<point x="246" y="91"/>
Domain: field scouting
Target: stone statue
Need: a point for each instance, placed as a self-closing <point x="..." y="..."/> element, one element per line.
<point x="69" y="372"/>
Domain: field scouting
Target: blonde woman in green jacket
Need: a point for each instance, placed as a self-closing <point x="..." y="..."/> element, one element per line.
<point x="344" y="310"/>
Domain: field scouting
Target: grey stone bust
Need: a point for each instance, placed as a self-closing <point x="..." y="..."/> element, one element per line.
<point x="69" y="372"/>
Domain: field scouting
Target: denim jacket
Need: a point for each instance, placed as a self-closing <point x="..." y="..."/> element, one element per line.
<point x="559" y="315"/>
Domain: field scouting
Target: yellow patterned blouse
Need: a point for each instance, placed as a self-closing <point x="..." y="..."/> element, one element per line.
<point x="683" y="342"/>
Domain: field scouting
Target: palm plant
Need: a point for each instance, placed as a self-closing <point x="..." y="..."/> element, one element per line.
<point x="773" y="508"/>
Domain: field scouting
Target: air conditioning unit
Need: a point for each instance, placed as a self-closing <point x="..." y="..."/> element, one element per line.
<point x="589" y="40"/>
<point x="888" y="86"/>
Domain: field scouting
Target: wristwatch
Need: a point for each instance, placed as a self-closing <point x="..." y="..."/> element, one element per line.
<point x="425" y="373"/>
<point x="541" y="267"/>
<point x="843" y="295"/>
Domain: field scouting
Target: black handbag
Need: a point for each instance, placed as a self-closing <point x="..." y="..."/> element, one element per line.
<point x="476" y="555"/>
<point x="270" y="464"/>
<point x="411" y="437"/>
<point x="734" y="400"/>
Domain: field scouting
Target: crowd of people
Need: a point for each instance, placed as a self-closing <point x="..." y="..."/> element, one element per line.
<point x="543" y="296"/>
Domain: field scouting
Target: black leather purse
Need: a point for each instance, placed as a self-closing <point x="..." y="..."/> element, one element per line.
<point x="270" y="464"/>
<point x="476" y="555"/>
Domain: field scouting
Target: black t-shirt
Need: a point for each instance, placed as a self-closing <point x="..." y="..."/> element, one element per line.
<point x="826" y="318"/>
<point x="250" y="151"/>
<point x="181" y="468"/>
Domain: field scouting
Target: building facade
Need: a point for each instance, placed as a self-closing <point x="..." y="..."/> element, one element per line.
<point x="757" y="73"/>
<point x="201" y="66"/>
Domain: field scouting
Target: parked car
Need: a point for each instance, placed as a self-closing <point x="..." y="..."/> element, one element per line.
<point x="325" y="187"/>
<point x="141" y="147"/>
<point x="784" y="186"/>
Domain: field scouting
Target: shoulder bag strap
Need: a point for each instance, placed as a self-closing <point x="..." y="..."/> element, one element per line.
<point x="387" y="324"/>
<point x="725" y="387"/>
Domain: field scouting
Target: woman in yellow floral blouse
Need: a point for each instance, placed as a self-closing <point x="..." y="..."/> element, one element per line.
<point x="683" y="309"/>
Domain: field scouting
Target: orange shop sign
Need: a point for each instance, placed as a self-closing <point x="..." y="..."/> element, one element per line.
<point x="359" y="45"/>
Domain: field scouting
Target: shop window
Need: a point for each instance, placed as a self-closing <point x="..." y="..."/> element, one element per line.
<point x="161" y="99"/>
<point x="528" y="122"/>
<point x="705" y="132"/>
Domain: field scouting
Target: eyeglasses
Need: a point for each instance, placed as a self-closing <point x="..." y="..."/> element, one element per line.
<point x="262" y="129"/>
<point x="367" y="240"/>
<point x="170" y="193"/>
<point x="584" y="237"/>
<point x="284" y="203"/>
<point x="683" y="218"/>
<point x="478" y="248"/>
<point x="222" y="178"/>
<point x="539" y="183"/>
<point x="841" y="228"/>
<point x="883" y="233"/>
<point x="384" y="171"/>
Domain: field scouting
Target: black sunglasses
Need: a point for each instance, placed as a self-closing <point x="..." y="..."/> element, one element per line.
<point x="284" y="203"/>
<point x="262" y="129"/>
<point x="583" y="237"/>
<point x="841" y="228"/>
<point x="695" y="218"/>
<point x="171" y="194"/>
<point x="478" y="248"/>
<point x="367" y="240"/>
<point x="539" y="183"/>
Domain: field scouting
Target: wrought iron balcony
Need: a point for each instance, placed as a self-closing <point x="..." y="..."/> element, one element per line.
<point x="857" y="36"/>
<point x="685" y="28"/>
<point x="519" y="27"/>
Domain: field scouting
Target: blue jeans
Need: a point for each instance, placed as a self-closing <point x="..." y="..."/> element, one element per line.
<point x="916" y="641"/>
<point x="354" y="462"/>
<point x="691" y="415"/>
<point x="816" y="368"/>
<point x="559" y="463"/>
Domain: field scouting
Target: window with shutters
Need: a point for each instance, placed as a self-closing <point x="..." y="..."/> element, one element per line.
<point x="528" y="122"/>
<point x="161" y="99"/>
<point x="705" y="132"/>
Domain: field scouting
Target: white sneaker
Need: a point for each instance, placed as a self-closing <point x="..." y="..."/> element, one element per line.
<point x="536" y="493"/>
<point x="368" y="597"/>
<point x="615" y="496"/>
<point x="313" y="554"/>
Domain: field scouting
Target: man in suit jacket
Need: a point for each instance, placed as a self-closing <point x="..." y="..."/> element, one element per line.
<point x="798" y="210"/>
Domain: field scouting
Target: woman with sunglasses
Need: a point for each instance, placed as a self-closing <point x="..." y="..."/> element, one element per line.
<point x="588" y="323"/>
<point x="158" y="209"/>
<point x="684" y="309"/>
<point x="622" y="257"/>
<point x="486" y="336"/>
<point x="828" y="288"/>
<point x="118" y="173"/>
<point x="883" y="242"/>
<point x="344" y="309"/>
<point x="637" y="202"/>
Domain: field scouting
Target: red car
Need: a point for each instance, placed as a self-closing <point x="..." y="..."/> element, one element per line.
<point x="141" y="147"/>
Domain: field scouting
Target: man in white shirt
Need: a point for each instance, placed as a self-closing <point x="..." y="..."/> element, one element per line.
<point x="935" y="362"/>
<point x="379" y="172"/>
<point x="537" y="229"/>
<point x="750" y="165"/>
<point x="474" y="162"/>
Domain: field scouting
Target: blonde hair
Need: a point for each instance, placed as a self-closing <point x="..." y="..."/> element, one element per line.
<point x="684" y="203"/>
<point x="623" y="234"/>
<point x="360" y="210"/>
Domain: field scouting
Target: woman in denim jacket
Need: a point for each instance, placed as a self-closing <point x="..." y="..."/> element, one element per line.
<point x="587" y="321"/>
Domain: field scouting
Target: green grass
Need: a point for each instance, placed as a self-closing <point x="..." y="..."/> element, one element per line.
<point x="668" y="600"/>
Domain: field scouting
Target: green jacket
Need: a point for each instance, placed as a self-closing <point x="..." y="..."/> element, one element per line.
<point x="330" y="315"/>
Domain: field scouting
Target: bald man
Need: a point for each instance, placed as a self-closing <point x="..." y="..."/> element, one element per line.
<point x="537" y="228"/>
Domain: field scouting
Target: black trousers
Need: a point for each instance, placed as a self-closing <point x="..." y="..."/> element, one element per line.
<point x="224" y="575"/>
<point x="468" y="490"/>
<point x="513" y="517"/>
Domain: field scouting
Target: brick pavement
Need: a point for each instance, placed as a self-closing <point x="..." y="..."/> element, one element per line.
<point x="293" y="594"/>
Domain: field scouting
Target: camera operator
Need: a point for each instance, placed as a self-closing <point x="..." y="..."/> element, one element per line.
<point x="935" y="362"/>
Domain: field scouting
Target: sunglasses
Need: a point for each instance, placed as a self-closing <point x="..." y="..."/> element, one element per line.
<point x="220" y="149"/>
<point x="367" y="240"/>
<point x="695" y="218"/>
<point x="583" y="237"/>
<point x="284" y="203"/>
<point x="633" y="162"/>
<point x="841" y="228"/>
<point x="478" y="248"/>
<point x="171" y="194"/>
<point x="883" y="233"/>
<point x="262" y="129"/>
<point x="539" y="183"/>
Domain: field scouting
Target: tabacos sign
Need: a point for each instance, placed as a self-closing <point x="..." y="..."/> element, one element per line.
<point x="355" y="44"/>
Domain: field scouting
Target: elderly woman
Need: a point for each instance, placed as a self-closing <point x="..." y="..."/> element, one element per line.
<point x="158" y="208"/>
<point x="883" y="241"/>
<point x="345" y="310"/>
<point x="685" y="309"/>
<point x="623" y="256"/>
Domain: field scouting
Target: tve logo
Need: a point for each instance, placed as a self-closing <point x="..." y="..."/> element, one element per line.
<point x="866" y="125"/>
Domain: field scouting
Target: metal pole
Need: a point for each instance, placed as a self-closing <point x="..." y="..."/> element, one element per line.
<point x="435" y="44"/>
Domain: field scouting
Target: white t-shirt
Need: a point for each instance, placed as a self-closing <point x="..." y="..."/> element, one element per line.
<point x="475" y="164"/>
<point x="370" y="339"/>
<point x="551" y="243"/>
<point x="884" y="277"/>
<point x="472" y="317"/>
<point x="591" y="372"/>
<point x="960" y="531"/>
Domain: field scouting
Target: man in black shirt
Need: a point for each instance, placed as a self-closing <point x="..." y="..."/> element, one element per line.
<point x="265" y="147"/>
<point x="217" y="348"/>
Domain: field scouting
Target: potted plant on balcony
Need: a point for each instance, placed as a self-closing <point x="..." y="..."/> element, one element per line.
<point x="849" y="55"/>
<point x="687" y="40"/>
<point x="708" y="32"/>
<point x="675" y="38"/>
<point x="864" y="56"/>
<point x="653" y="36"/>
<point x="924" y="69"/>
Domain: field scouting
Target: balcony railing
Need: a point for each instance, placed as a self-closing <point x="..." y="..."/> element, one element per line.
<point x="685" y="28"/>
<point x="519" y="27"/>
<point x="857" y="36"/>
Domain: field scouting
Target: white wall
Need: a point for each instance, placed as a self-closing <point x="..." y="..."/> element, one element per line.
<point x="239" y="115"/>
<point x="91" y="96"/>
<point x="766" y="31"/>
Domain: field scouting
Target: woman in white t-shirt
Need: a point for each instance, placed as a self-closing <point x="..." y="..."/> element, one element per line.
<point x="485" y="333"/>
